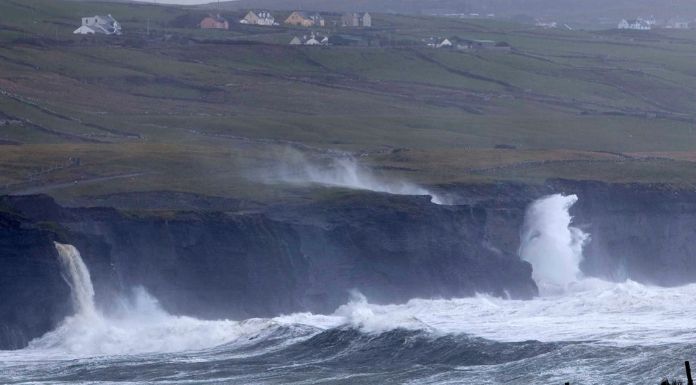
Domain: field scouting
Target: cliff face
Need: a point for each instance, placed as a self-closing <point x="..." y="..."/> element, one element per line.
<point x="639" y="232"/>
<point x="33" y="295"/>
<point x="306" y="257"/>
<point x="280" y="260"/>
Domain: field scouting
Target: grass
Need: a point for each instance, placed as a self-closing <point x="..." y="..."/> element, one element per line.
<point x="199" y="111"/>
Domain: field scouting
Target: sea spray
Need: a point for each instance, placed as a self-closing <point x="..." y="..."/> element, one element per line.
<point x="343" y="170"/>
<point x="77" y="276"/>
<point x="551" y="244"/>
<point x="658" y="316"/>
<point x="137" y="325"/>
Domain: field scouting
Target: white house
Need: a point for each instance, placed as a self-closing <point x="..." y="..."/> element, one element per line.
<point x="356" y="20"/>
<point x="444" y="44"/>
<point x="259" y="18"/>
<point x="637" y="24"/>
<point x="310" y="40"/>
<point x="106" y="25"/>
<point x="678" y="24"/>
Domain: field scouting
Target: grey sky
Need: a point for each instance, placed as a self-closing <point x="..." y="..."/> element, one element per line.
<point x="179" y="1"/>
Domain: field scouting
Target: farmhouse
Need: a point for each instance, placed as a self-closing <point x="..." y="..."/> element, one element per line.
<point x="214" y="22"/>
<point x="637" y="24"/>
<point x="434" y="42"/>
<point x="106" y="25"/>
<point x="356" y="20"/>
<point x="258" y="18"/>
<point x="310" y="40"/>
<point x="305" y="20"/>
<point x="446" y="43"/>
<point x="678" y="24"/>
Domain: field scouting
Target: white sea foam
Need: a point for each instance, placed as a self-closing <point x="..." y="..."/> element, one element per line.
<point x="138" y="325"/>
<point x="577" y="309"/>
<point x="551" y="244"/>
<point x="618" y="313"/>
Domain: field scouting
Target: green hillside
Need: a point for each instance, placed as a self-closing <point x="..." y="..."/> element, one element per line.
<point x="168" y="106"/>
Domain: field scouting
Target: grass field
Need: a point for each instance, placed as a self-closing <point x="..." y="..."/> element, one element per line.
<point x="189" y="110"/>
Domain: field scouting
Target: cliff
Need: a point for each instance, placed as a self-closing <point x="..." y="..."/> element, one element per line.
<point x="307" y="257"/>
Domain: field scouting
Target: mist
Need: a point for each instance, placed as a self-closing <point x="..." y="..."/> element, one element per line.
<point x="341" y="170"/>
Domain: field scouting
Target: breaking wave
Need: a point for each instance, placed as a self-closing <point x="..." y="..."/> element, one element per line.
<point x="580" y="329"/>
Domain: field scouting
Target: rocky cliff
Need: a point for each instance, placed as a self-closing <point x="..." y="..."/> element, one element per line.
<point x="307" y="257"/>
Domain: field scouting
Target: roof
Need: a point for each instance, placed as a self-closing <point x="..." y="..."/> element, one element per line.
<point x="307" y="15"/>
<point x="261" y="13"/>
<point x="84" y="30"/>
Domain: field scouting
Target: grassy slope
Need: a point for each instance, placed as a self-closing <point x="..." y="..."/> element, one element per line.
<point x="199" y="111"/>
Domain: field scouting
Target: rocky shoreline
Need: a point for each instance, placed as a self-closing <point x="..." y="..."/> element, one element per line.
<point x="214" y="260"/>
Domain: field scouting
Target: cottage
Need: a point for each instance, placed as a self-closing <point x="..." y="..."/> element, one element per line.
<point x="356" y="20"/>
<point x="435" y="42"/>
<point x="106" y="25"/>
<point x="446" y="43"/>
<point x="678" y="24"/>
<point x="258" y="18"/>
<point x="214" y="22"/>
<point x="637" y="24"/>
<point x="305" y="20"/>
<point x="350" y="20"/>
<point x="312" y="39"/>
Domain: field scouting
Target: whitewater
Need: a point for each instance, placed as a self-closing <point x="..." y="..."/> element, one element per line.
<point x="580" y="329"/>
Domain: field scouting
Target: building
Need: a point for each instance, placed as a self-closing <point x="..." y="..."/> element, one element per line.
<point x="350" y="20"/>
<point x="446" y="43"/>
<point x="435" y="42"/>
<point x="105" y="25"/>
<point x="258" y="18"/>
<point x="637" y="24"/>
<point x="214" y="22"/>
<point x="678" y="24"/>
<point x="305" y="20"/>
<point x="356" y="20"/>
<point x="312" y="39"/>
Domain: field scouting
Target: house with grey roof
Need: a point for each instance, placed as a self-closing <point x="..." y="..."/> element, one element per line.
<point x="105" y="25"/>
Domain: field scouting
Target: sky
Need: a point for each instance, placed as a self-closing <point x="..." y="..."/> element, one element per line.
<point x="178" y="1"/>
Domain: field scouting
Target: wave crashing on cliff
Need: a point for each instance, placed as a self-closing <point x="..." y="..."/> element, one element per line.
<point x="137" y="324"/>
<point x="551" y="244"/>
<point x="482" y="339"/>
<point x="344" y="170"/>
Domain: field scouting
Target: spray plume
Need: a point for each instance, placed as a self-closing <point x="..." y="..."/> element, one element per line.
<point x="551" y="244"/>
<point x="343" y="170"/>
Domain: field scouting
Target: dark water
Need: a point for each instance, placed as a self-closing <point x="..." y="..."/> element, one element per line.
<point x="307" y="355"/>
